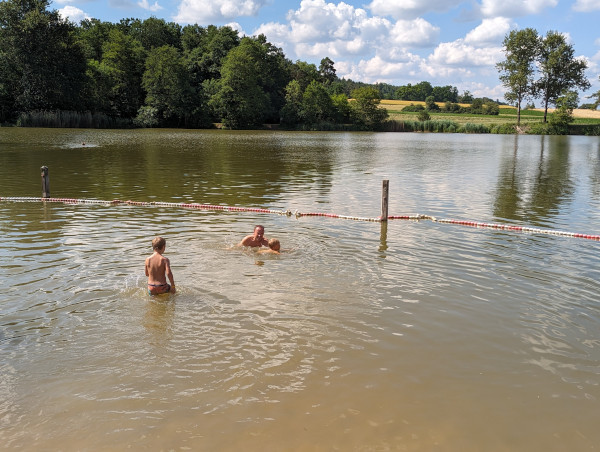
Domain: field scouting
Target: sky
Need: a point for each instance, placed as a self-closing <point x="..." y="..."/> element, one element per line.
<point x="444" y="42"/>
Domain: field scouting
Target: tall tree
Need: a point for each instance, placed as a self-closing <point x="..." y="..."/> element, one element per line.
<point x="327" y="71"/>
<point x="123" y="60"/>
<point x="304" y="73"/>
<point x="596" y="96"/>
<point x="316" y="104"/>
<point x="166" y="81"/>
<point x="365" y="108"/>
<point x="290" y="112"/>
<point x="240" y="101"/>
<point x="560" y="70"/>
<point x="521" y="48"/>
<point x="273" y="70"/>
<point x="42" y="63"/>
<point x="206" y="49"/>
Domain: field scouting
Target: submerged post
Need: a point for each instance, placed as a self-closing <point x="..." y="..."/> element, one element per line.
<point x="45" y="182"/>
<point x="385" y="192"/>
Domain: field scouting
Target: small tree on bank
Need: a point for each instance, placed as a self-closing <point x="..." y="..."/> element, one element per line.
<point x="560" y="70"/>
<point x="365" y="108"/>
<point x="521" y="48"/>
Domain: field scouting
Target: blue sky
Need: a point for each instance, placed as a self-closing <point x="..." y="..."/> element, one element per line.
<point x="446" y="42"/>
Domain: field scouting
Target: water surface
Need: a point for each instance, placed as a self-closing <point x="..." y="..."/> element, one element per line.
<point x="413" y="335"/>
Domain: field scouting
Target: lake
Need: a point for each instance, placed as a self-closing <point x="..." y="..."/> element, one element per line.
<point x="406" y="335"/>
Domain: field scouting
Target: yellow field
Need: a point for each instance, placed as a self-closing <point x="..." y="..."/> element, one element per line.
<point x="398" y="105"/>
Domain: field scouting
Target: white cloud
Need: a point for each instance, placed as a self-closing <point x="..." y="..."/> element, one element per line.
<point x="478" y="89"/>
<point x="211" y="11"/>
<point x="320" y="21"/>
<point x="410" y="9"/>
<point x="462" y="54"/>
<point x="586" y="5"/>
<point x="515" y="8"/>
<point x="490" y="31"/>
<point x="416" y="33"/>
<point x="318" y="28"/>
<point x="146" y="5"/>
<point x="73" y="14"/>
<point x="377" y="69"/>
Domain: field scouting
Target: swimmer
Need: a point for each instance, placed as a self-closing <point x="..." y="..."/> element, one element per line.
<point x="274" y="247"/>
<point x="257" y="239"/>
<point x="158" y="268"/>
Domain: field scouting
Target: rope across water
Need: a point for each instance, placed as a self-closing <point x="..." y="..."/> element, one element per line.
<point x="298" y="214"/>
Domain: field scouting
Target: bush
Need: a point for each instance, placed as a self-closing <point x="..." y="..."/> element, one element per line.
<point x="540" y="128"/>
<point x="70" y="119"/>
<point x="504" y="129"/>
<point x="474" y="128"/>
<point x="146" y="117"/>
<point x="423" y="116"/>
<point x="413" y="108"/>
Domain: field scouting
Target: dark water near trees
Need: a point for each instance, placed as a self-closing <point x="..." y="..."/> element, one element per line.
<point x="410" y="336"/>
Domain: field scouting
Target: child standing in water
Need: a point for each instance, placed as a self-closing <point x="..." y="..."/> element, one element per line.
<point x="158" y="268"/>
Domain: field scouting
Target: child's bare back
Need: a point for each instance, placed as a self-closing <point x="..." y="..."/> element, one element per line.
<point x="158" y="268"/>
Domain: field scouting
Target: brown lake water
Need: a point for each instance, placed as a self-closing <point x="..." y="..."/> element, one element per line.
<point x="413" y="335"/>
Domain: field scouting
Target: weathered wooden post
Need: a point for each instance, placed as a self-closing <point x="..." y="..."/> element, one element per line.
<point x="45" y="182"/>
<point x="385" y="196"/>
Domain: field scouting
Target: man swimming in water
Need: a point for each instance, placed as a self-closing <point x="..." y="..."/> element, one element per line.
<point x="158" y="268"/>
<point x="256" y="239"/>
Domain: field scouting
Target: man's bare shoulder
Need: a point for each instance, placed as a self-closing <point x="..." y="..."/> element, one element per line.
<point x="247" y="240"/>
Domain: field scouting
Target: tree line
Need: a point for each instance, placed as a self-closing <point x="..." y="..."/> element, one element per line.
<point x="153" y="73"/>
<point x="543" y="67"/>
<point x="156" y="73"/>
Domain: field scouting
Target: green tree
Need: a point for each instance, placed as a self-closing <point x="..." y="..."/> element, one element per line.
<point x="560" y="70"/>
<point x="290" y="113"/>
<point x="123" y="62"/>
<point x="365" y="108"/>
<point x="430" y="104"/>
<point x="93" y="33"/>
<point x="327" y="71"/>
<point x="166" y="81"/>
<point x="563" y="115"/>
<point x="205" y="50"/>
<point x="445" y="93"/>
<point x="240" y="101"/>
<point x="341" y="108"/>
<point x="304" y="73"/>
<point x="423" y="116"/>
<point x="273" y="71"/>
<point x="42" y="64"/>
<point x="317" y="105"/>
<point x="521" y="49"/>
<point x="596" y="96"/>
<point x="466" y="98"/>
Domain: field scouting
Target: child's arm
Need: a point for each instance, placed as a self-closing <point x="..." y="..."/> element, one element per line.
<point x="170" y="274"/>
<point x="146" y="267"/>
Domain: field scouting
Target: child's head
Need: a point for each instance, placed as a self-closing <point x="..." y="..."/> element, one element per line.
<point x="158" y="243"/>
<point x="274" y="244"/>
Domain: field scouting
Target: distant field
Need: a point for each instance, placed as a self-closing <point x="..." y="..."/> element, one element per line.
<point x="507" y="114"/>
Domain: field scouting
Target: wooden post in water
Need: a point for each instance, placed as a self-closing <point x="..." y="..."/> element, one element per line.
<point x="45" y="182"/>
<point x="385" y="196"/>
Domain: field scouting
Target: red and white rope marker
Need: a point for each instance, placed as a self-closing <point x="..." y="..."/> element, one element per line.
<point x="297" y="214"/>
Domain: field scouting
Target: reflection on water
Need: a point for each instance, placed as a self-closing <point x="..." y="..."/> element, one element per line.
<point x="533" y="193"/>
<point x="406" y="335"/>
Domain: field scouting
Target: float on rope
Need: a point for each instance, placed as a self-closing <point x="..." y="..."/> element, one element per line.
<point x="298" y="214"/>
